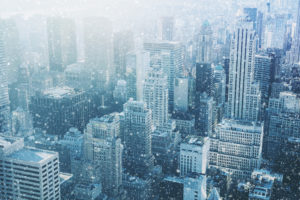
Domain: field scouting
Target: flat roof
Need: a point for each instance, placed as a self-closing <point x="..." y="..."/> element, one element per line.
<point x="195" y="140"/>
<point x="31" y="155"/>
<point x="59" y="92"/>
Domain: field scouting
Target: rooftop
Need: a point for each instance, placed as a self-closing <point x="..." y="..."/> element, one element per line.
<point x="31" y="155"/>
<point x="195" y="140"/>
<point x="59" y="92"/>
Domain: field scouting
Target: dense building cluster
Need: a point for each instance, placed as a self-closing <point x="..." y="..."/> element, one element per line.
<point x="179" y="107"/>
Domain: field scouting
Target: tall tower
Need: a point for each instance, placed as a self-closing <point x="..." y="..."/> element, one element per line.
<point x="241" y="73"/>
<point x="155" y="95"/>
<point x="168" y="55"/>
<point x="203" y="46"/>
<point x="296" y="43"/>
<point x="137" y="134"/>
<point x="98" y="45"/>
<point x="61" y="43"/>
<point x="4" y="100"/>
<point x="102" y="145"/>
<point x="167" y="28"/>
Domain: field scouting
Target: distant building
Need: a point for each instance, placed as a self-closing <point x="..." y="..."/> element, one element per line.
<point x="204" y="79"/>
<point x="194" y="152"/>
<point x="156" y="96"/>
<point x="167" y="28"/>
<point x="184" y="94"/>
<point x="137" y="188"/>
<point x="120" y="92"/>
<point x="237" y="148"/>
<point x="185" y="123"/>
<point x="4" y="100"/>
<point x="204" y="44"/>
<point x="62" y="43"/>
<point x="73" y="140"/>
<point x="57" y="109"/>
<point x="33" y="174"/>
<point x="168" y="56"/>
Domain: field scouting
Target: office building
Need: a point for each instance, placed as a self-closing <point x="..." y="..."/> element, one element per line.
<point x="204" y="44"/>
<point x="98" y="48"/>
<point x="102" y="146"/>
<point x="194" y="152"/>
<point x="167" y="27"/>
<point x="237" y="148"/>
<point x="123" y="44"/>
<point x="137" y="133"/>
<point x="185" y="123"/>
<point x="57" y="109"/>
<point x="242" y="101"/>
<point x="120" y="92"/>
<point x="155" y="94"/>
<point x="168" y="56"/>
<point x="204" y="117"/>
<point x="27" y="173"/>
<point x="296" y="40"/>
<point x="61" y="43"/>
<point x="204" y="79"/>
<point x="4" y="100"/>
<point x="73" y="141"/>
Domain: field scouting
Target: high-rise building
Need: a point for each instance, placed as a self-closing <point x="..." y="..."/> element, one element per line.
<point x="242" y="92"/>
<point x="57" y="109"/>
<point x="137" y="138"/>
<point x="184" y="93"/>
<point x="98" y="45"/>
<point x="155" y="95"/>
<point x="194" y="152"/>
<point x="296" y="41"/>
<point x="168" y="56"/>
<point x="102" y="146"/>
<point x="27" y="173"/>
<point x="204" y="44"/>
<point x="167" y="28"/>
<point x="237" y="147"/>
<point x="61" y="43"/>
<point x="204" y="115"/>
<point x="4" y="100"/>
<point x="204" y="79"/>
<point x="263" y="77"/>
<point x="123" y="44"/>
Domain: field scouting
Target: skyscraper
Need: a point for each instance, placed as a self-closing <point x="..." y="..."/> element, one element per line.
<point x="204" y="78"/>
<point x="241" y="73"/>
<point x="204" y="115"/>
<point x="123" y="44"/>
<point x="167" y="28"/>
<point x="98" y="45"/>
<point x="167" y="55"/>
<point x="296" y="42"/>
<point x="155" y="95"/>
<point x="203" y="44"/>
<point x="4" y="101"/>
<point x="102" y="145"/>
<point x="61" y="43"/>
<point x="27" y="173"/>
<point x="137" y="143"/>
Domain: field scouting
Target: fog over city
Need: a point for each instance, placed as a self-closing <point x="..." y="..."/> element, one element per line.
<point x="149" y="99"/>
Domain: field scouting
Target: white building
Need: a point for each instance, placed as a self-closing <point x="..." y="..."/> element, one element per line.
<point x="194" y="152"/>
<point x="156" y="95"/>
<point x="194" y="187"/>
<point x="27" y="173"/>
<point x="237" y="147"/>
